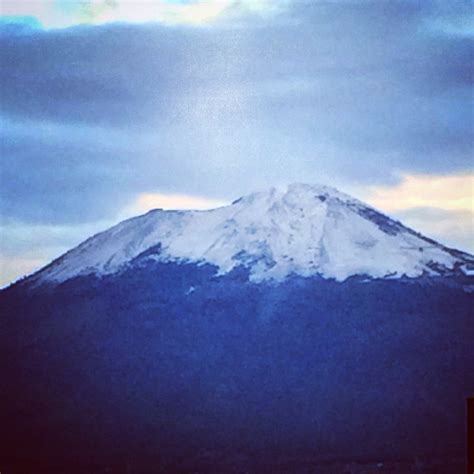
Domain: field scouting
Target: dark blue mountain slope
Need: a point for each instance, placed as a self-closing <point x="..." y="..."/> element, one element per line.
<point x="171" y="368"/>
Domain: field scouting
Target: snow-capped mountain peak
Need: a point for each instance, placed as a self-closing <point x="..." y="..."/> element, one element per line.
<point x="304" y="230"/>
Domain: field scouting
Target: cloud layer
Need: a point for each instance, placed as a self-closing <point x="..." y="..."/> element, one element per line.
<point x="352" y="94"/>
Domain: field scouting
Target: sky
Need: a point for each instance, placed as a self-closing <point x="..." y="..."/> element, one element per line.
<point x="110" y="108"/>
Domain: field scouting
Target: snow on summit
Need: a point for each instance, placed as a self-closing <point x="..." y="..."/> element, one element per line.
<point x="304" y="230"/>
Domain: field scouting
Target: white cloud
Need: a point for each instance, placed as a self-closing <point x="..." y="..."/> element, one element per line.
<point x="146" y="201"/>
<point x="39" y="9"/>
<point x="60" y="14"/>
<point x="449" y="192"/>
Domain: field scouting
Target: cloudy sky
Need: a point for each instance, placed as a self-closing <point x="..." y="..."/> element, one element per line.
<point x="112" y="107"/>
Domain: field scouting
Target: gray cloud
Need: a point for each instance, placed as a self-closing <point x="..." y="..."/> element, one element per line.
<point x="342" y="92"/>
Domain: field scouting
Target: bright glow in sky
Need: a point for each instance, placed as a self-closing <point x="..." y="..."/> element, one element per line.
<point x="146" y="201"/>
<point x="60" y="14"/>
<point x="455" y="192"/>
<point x="440" y="207"/>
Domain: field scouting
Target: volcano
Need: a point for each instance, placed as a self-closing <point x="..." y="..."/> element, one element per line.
<point x="295" y="330"/>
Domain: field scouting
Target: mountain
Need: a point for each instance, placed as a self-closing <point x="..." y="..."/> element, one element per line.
<point x="305" y="230"/>
<point x="291" y="331"/>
